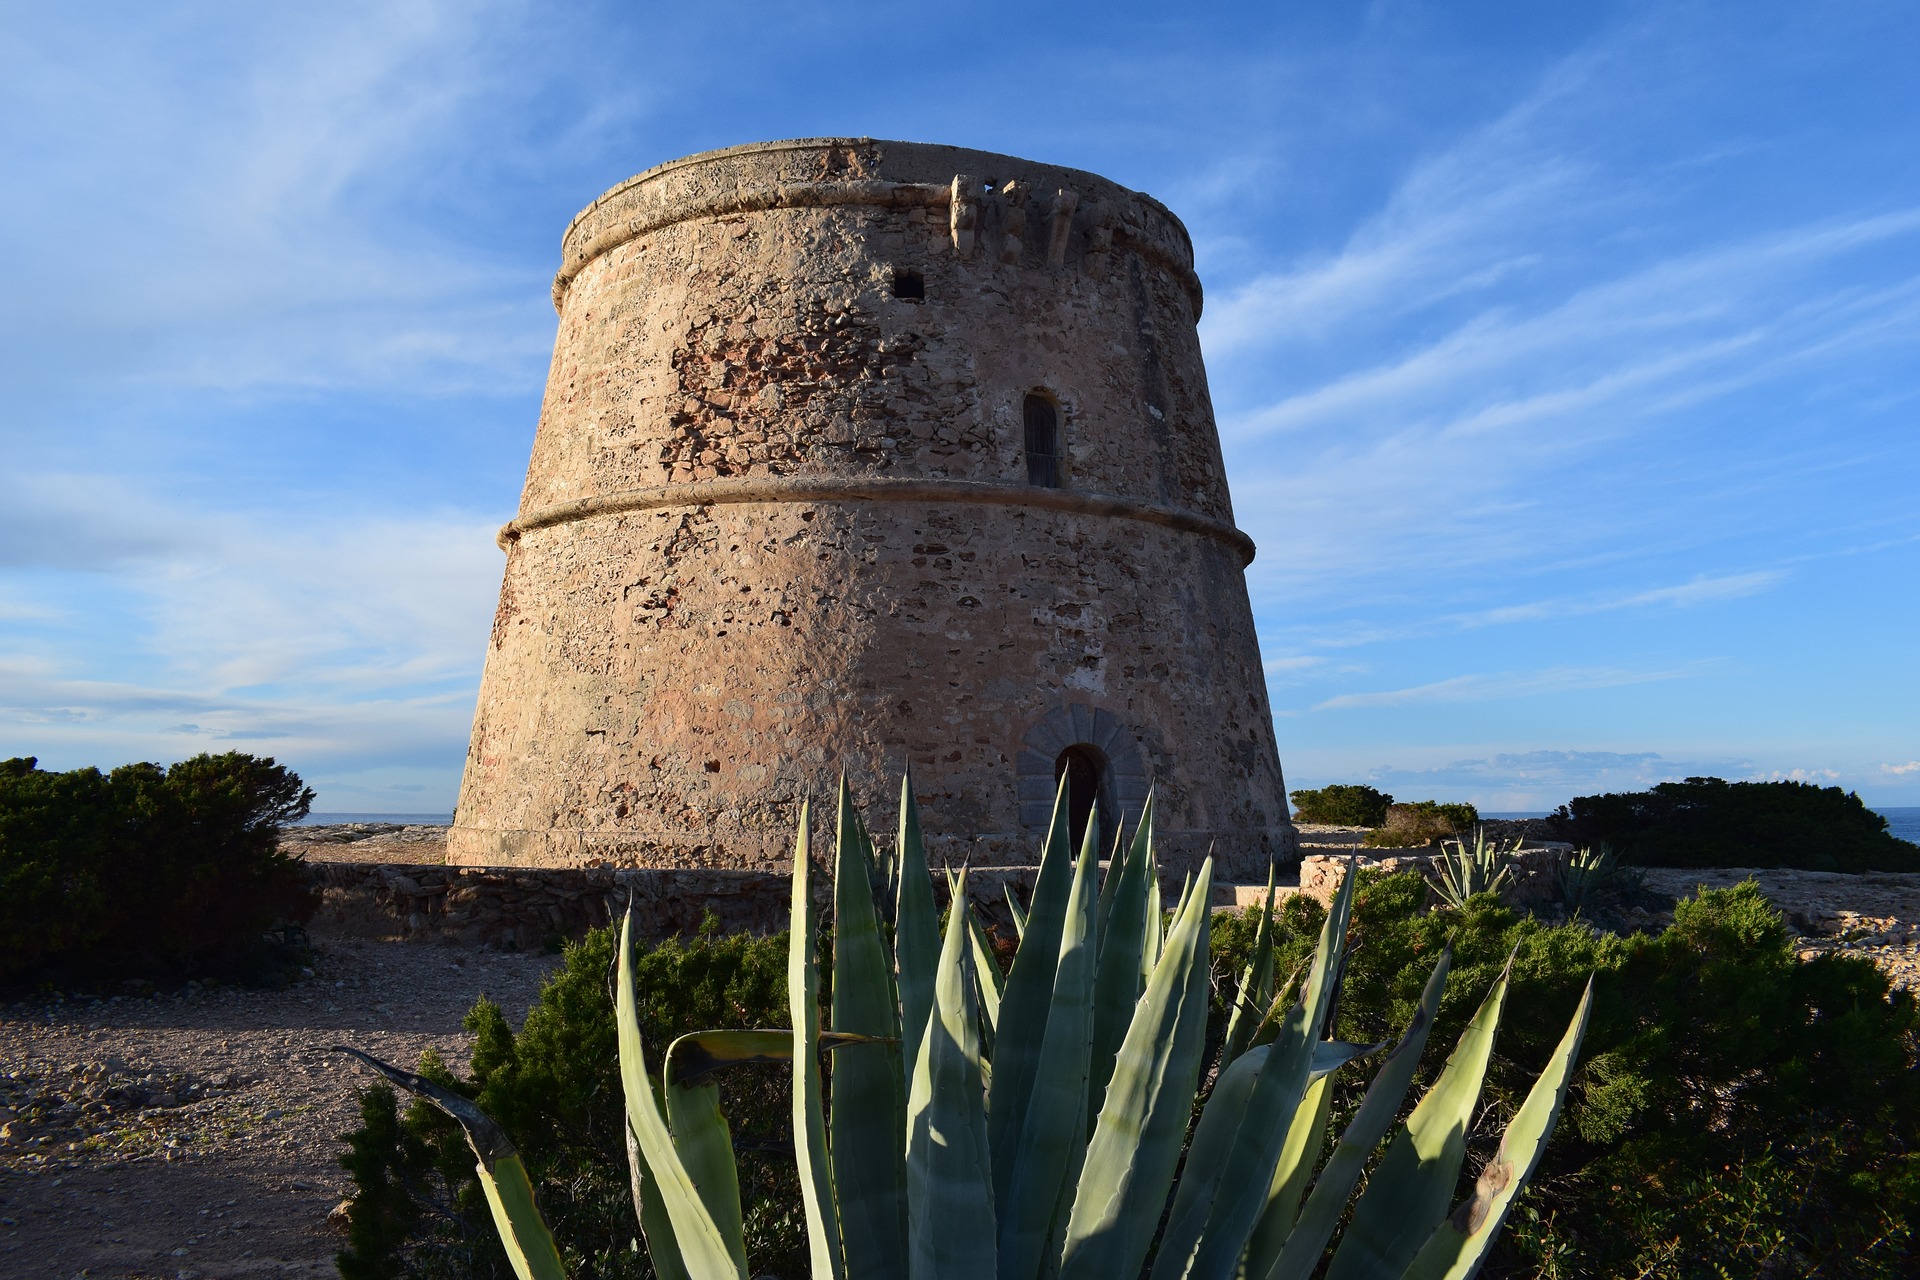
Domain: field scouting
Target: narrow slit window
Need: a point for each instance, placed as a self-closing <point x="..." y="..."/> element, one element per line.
<point x="1043" y="442"/>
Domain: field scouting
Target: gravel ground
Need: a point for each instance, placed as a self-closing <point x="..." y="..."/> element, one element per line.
<point x="194" y="1134"/>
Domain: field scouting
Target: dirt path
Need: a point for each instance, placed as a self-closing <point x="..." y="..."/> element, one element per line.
<point x="195" y="1134"/>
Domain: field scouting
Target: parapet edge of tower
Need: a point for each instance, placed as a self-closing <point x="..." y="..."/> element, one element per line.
<point x="875" y="172"/>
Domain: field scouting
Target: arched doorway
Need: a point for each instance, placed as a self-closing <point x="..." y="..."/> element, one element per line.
<point x="1085" y="774"/>
<point x="1110" y="746"/>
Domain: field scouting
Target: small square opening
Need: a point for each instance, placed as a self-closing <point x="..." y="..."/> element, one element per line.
<point x="909" y="284"/>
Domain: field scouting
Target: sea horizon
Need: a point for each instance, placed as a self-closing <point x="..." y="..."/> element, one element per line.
<point x="1903" y="821"/>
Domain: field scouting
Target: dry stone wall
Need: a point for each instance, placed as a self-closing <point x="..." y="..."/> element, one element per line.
<point x="777" y="525"/>
<point x="1533" y="882"/>
<point x="527" y="908"/>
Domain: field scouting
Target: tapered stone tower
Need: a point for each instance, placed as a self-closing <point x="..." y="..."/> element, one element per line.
<point x="862" y="455"/>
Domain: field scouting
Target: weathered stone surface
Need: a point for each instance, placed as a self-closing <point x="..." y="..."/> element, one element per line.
<point x="777" y="523"/>
<point x="529" y="907"/>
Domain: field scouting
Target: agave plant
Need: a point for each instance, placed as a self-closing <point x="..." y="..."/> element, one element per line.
<point x="981" y="1128"/>
<point x="1463" y="871"/>
<point x="1586" y="876"/>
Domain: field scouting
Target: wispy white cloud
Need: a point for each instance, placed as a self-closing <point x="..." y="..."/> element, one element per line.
<point x="1424" y="398"/>
<point x="342" y="641"/>
<point x="1429" y="242"/>
<point x="1709" y="590"/>
<point x="1685" y="595"/>
<point x="1511" y="684"/>
<point x="65" y="520"/>
<point x="1700" y="591"/>
<point x="1818" y="776"/>
<point x="234" y="236"/>
<point x="1903" y="770"/>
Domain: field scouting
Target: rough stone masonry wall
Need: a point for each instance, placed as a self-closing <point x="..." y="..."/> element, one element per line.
<point x="531" y="907"/>
<point x="776" y="523"/>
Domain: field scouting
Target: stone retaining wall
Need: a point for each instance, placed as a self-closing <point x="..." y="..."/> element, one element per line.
<point x="527" y="908"/>
<point x="1533" y="880"/>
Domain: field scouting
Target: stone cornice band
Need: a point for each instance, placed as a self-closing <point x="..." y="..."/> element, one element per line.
<point x="790" y="489"/>
<point x="818" y="195"/>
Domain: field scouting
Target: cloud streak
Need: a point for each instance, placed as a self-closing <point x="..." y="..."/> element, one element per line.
<point x="247" y="250"/>
<point x="345" y="642"/>
<point x="1500" y="685"/>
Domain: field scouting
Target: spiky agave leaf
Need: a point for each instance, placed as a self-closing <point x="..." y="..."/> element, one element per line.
<point x="1117" y="984"/>
<point x="655" y="1227"/>
<point x="1047" y="1155"/>
<point x="1143" y="1117"/>
<point x="1460" y="1244"/>
<point x="916" y="939"/>
<point x="1321" y="1215"/>
<point x="1017" y="912"/>
<point x="809" y="1108"/>
<point x="1025" y="999"/>
<point x="1153" y="937"/>
<point x="868" y="1115"/>
<point x="704" y="1144"/>
<point x="503" y="1176"/>
<point x="950" y="1219"/>
<point x="698" y="1054"/>
<point x="1299" y="1155"/>
<point x="700" y="1133"/>
<point x="1409" y="1191"/>
<point x="703" y="1247"/>
<point x="992" y="984"/>
<point x="1219" y="1203"/>
<point x="1254" y="995"/>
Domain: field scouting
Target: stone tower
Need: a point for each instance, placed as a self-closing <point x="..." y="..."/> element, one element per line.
<point x="862" y="455"/>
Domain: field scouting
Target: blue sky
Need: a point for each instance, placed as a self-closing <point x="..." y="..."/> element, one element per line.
<point x="1566" y="357"/>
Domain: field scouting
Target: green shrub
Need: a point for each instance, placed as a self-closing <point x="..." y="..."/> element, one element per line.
<point x="1738" y="1112"/>
<point x="1421" y="822"/>
<point x="1342" y="805"/>
<point x="145" y="871"/>
<point x="555" y="1089"/>
<point x="1708" y="822"/>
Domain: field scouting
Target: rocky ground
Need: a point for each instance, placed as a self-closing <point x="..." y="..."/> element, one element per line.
<point x="193" y="1134"/>
<point x="1873" y="915"/>
<point x="368" y="842"/>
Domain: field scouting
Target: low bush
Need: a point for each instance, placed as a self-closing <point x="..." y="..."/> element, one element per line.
<point x="1421" y="822"/>
<point x="1737" y="1111"/>
<point x="1708" y="822"/>
<point x="146" y="871"/>
<point x="418" y="1210"/>
<point x="1342" y="805"/>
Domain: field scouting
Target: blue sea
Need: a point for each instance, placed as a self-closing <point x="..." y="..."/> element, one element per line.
<point x="1902" y="821"/>
<point x="406" y="819"/>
